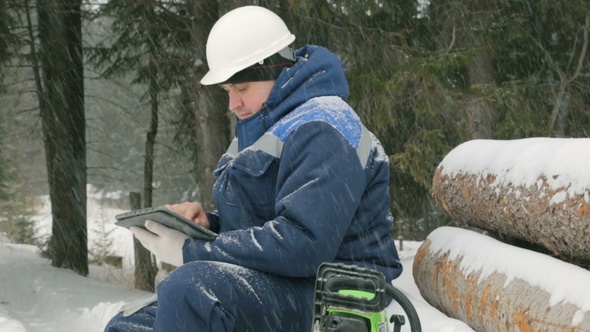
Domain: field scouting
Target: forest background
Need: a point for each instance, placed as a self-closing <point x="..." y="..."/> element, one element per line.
<point x="107" y="95"/>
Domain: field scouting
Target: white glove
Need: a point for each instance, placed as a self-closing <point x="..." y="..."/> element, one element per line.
<point x="166" y="243"/>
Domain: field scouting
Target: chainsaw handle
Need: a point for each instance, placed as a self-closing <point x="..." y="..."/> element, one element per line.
<point x="335" y="277"/>
<point x="335" y="283"/>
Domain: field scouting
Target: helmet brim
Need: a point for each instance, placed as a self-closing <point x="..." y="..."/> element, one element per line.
<point x="220" y="75"/>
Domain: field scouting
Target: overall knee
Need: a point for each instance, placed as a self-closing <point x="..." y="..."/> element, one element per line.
<point x="180" y="281"/>
<point x="114" y="325"/>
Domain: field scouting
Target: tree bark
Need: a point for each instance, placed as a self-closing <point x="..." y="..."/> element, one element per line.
<point x="63" y="122"/>
<point x="481" y="117"/>
<point x="464" y="27"/>
<point x="150" y="142"/>
<point x="145" y="269"/>
<point x="497" y="297"/>
<point x="542" y="212"/>
<point x="207" y="104"/>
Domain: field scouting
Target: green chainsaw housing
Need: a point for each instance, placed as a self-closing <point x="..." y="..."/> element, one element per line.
<point x="375" y="321"/>
<point x="350" y="298"/>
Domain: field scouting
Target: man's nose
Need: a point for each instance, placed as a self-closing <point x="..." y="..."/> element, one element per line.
<point x="235" y="102"/>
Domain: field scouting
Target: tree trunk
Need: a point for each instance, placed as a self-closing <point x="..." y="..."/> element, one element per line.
<point x="548" y="209"/>
<point x="63" y="122"/>
<point x="150" y="141"/>
<point x="482" y="119"/>
<point x="145" y="269"/>
<point x="562" y="105"/>
<point x="211" y="124"/>
<point x="466" y="275"/>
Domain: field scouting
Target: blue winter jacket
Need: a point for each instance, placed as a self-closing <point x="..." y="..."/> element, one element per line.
<point x="303" y="182"/>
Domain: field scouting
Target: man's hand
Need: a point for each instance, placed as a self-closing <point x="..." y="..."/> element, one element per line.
<point x="164" y="242"/>
<point x="192" y="211"/>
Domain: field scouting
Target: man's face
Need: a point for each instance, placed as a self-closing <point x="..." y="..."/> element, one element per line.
<point x="246" y="99"/>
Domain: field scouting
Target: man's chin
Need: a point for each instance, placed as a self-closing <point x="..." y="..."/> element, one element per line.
<point x="245" y="116"/>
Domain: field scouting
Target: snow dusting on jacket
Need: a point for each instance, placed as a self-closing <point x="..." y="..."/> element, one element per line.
<point x="303" y="182"/>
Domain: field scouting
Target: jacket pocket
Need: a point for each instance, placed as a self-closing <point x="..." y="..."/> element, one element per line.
<point x="248" y="182"/>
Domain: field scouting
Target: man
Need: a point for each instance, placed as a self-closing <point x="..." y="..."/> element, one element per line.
<point x="303" y="182"/>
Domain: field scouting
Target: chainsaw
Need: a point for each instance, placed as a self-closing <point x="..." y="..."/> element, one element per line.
<point x="349" y="298"/>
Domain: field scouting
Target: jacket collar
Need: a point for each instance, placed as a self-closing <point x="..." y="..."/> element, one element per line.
<point x="317" y="72"/>
<point x="251" y="129"/>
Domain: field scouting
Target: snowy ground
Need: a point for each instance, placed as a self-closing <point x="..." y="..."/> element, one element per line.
<point x="36" y="297"/>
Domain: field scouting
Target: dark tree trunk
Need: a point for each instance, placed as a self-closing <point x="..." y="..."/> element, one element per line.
<point x="63" y="122"/>
<point x="482" y="119"/>
<point x="145" y="269"/>
<point x="207" y="106"/>
<point x="150" y="141"/>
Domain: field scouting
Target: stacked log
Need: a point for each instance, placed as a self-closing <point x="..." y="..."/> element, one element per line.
<point x="467" y="276"/>
<point x="536" y="189"/>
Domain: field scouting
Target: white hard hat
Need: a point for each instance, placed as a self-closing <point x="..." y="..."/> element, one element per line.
<point x="241" y="38"/>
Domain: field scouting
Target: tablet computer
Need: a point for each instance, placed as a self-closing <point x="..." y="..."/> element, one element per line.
<point x="167" y="218"/>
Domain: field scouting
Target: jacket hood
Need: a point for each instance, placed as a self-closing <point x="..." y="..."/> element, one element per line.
<point x="317" y="72"/>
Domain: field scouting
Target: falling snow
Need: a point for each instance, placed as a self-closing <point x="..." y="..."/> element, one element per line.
<point x="37" y="297"/>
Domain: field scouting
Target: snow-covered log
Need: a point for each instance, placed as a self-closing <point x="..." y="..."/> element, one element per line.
<point x="535" y="189"/>
<point x="493" y="286"/>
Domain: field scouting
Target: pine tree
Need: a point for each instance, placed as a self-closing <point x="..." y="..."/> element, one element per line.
<point x="152" y="43"/>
